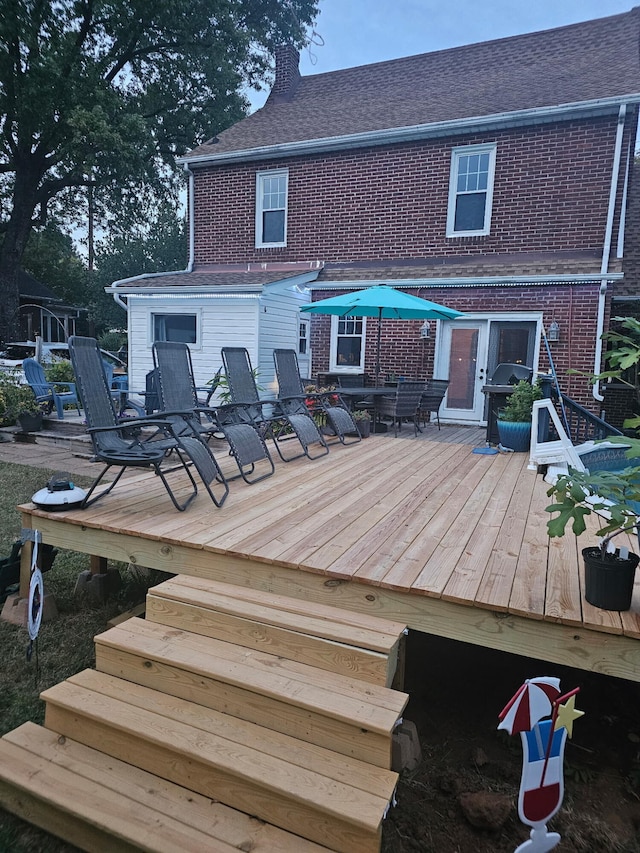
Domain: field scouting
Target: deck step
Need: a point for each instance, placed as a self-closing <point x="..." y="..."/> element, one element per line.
<point x="340" y="641"/>
<point x="302" y="788"/>
<point x="344" y="714"/>
<point x="99" y="803"/>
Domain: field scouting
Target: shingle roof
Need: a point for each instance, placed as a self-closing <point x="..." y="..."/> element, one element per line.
<point x="589" y="61"/>
<point x="218" y="279"/>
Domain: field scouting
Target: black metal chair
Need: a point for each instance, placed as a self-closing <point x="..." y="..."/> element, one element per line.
<point x="293" y="398"/>
<point x="178" y="393"/>
<point x="137" y="442"/>
<point x="404" y="406"/>
<point x="267" y="415"/>
<point x="431" y="400"/>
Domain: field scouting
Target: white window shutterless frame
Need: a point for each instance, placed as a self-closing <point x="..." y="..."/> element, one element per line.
<point x="471" y="190"/>
<point x="271" y="208"/>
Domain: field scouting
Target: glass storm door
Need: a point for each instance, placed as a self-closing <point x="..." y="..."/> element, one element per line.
<point x="463" y="356"/>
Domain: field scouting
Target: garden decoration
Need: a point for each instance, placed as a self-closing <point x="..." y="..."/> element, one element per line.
<point x="36" y="598"/>
<point x="544" y="719"/>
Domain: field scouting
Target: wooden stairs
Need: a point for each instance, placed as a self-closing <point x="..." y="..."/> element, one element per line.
<point x="228" y="719"/>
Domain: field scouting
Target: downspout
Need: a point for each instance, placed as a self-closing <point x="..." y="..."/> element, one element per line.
<point x="190" y="209"/>
<point x="189" y="268"/>
<point x="606" y="249"/>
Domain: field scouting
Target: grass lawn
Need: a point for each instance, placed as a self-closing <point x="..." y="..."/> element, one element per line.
<point x="64" y="647"/>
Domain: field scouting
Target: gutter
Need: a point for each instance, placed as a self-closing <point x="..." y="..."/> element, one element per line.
<point x="515" y="118"/>
<point x="606" y="249"/>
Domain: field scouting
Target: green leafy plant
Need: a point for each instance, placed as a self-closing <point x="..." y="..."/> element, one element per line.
<point x="519" y="406"/>
<point x="361" y="415"/>
<point x="16" y="399"/>
<point x="60" y="370"/>
<point x="613" y="495"/>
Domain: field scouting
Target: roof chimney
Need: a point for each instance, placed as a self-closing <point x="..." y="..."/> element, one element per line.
<point x="287" y="72"/>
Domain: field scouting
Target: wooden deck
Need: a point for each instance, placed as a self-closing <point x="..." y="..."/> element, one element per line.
<point x="422" y="531"/>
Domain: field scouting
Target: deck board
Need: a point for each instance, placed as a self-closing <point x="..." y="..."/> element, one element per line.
<point x="422" y="531"/>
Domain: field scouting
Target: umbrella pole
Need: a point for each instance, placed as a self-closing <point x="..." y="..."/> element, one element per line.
<point x="378" y="347"/>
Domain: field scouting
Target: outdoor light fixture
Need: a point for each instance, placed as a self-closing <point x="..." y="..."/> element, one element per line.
<point x="425" y="330"/>
<point x="554" y="332"/>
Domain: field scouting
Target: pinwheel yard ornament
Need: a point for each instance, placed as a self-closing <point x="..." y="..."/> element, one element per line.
<point x="544" y="718"/>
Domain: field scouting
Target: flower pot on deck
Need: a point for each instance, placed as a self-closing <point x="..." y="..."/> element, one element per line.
<point x="516" y="435"/>
<point x="608" y="578"/>
<point x="364" y="427"/>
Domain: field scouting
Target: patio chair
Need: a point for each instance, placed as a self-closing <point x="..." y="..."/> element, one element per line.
<point x="404" y="406"/>
<point x="432" y="397"/>
<point x="45" y="392"/>
<point x="267" y="415"/>
<point x="178" y="393"/>
<point x="141" y="442"/>
<point x="293" y="399"/>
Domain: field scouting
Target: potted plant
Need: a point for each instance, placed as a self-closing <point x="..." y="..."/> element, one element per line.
<point x="18" y="404"/>
<point x="514" y="421"/>
<point x="614" y="495"/>
<point x="363" y="421"/>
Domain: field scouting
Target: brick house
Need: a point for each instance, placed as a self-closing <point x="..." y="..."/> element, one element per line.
<point x="494" y="178"/>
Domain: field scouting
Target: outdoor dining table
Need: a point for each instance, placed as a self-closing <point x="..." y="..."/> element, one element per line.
<point x="373" y="391"/>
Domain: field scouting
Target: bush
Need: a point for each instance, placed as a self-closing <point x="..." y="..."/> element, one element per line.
<point x="60" y="370"/>
<point x="15" y="399"/>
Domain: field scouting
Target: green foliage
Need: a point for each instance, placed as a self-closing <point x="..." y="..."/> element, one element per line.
<point x="611" y="494"/>
<point x="107" y="95"/>
<point x="59" y="370"/>
<point x="519" y="406"/>
<point x="360" y="415"/>
<point x="112" y="341"/>
<point x="15" y="399"/>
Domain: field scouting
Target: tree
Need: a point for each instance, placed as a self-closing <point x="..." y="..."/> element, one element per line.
<point x="108" y="92"/>
<point x="159" y="246"/>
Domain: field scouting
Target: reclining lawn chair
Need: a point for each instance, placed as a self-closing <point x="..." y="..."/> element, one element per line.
<point x="139" y="442"/>
<point x="45" y="392"/>
<point x="178" y="393"/>
<point x="292" y="398"/>
<point x="404" y="406"/>
<point x="276" y="424"/>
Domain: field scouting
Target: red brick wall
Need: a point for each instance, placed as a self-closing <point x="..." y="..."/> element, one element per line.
<point x="384" y="203"/>
<point x="574" y="307"/>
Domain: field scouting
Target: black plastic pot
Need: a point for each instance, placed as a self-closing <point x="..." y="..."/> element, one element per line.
<point x="30" y="422"/>
<point x="608" y="579"/>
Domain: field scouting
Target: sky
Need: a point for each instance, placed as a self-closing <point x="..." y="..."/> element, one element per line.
<point x="358" y="32"/>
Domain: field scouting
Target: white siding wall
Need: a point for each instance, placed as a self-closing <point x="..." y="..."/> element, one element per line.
<point x="279" y="313"/>
<point x="226" y="321"/>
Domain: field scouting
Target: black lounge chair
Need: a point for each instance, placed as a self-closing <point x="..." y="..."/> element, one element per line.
<point x="178" y="393"/>
<point x="267" y="415"/>
<point x="432" y="397"/>
<point x="292" y="398"/>
<point x="404" y="406"/>
<point x="136" y="442"/>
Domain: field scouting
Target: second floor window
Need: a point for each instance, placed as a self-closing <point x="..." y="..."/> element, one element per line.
<point x="271" y="208"/>
<point x="471" y="190"/>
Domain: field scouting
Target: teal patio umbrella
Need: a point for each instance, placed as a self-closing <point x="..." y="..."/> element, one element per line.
<point x="384" y="303"/>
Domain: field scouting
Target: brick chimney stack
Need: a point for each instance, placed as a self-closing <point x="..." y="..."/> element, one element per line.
<point x="287" y="72"/>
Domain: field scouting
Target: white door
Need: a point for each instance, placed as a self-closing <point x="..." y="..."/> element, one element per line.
<point x="469" y="351"/>
<point x="462" y="360"/>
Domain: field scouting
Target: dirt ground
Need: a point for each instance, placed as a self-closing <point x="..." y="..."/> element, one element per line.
<point x="457" y="693"/>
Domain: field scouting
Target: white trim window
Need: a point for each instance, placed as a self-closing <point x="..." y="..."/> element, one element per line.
<point x="271" y="208"/>
<point x="174" y="326"/>
<point x="347" y="344"/>
<point x="471" y="190"/>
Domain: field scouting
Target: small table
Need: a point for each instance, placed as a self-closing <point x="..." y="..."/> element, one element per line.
<point x="368" y="391"/>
